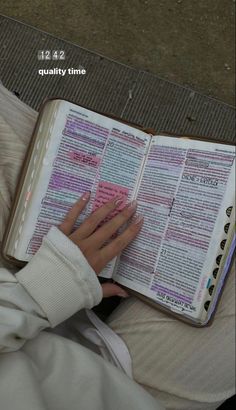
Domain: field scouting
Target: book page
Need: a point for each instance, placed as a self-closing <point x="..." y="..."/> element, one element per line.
<point x="85" y="151"/>
<point x="185" y="189"/>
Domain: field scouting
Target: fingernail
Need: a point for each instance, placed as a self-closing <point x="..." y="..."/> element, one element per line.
<point x="138" y="219"/>
<point x="118" y="201"/>
<point x="123" y="295"/>
<point x="132" y="205"/>
<point x="86" y="195"/>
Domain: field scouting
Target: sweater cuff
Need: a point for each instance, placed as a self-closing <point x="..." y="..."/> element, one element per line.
<point x="60" y="279"/>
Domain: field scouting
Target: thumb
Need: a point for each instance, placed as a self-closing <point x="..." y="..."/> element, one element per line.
<point x="110" y="289"/>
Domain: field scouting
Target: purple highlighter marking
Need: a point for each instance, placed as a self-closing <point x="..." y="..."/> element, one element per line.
<point x="93" y="131"/>
<point x="57" y="205"/>
<point x="59" y="180"/>
<point x="171" y="293"/>
<point x="79" y="122"/>
<point x="78" y="137"/>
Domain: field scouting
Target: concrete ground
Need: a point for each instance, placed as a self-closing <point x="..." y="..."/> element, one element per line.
<point x="190" y="42"/>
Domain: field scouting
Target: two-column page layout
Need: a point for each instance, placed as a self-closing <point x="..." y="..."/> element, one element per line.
<point x="184" y="188"/>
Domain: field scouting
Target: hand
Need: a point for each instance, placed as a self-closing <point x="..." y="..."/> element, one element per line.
<point x="91" y="240"/>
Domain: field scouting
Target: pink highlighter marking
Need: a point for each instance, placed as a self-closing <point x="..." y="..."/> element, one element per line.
<point x="106" y="191"/>
<point x="83" y="158"/>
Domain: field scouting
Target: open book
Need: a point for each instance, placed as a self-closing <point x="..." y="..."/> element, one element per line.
<point x="184" y="188"/>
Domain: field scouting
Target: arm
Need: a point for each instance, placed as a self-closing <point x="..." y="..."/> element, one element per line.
<point x="61" y="277"/>
<point x="55" y="284"/>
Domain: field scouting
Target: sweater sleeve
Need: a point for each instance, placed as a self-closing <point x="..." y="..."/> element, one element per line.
<point x="55" y="284"/>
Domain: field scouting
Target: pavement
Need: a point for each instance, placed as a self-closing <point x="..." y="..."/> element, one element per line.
<point x="190" y="42"/>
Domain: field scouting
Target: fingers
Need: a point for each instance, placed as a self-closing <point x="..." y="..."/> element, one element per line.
<point x="111" y="289"/>
<point x="109" y="228"/>
<point x="90" y="242"/>
<point x="73" y="214"/>
<point x="91" y="223"/>
<point x="117" y="245"/>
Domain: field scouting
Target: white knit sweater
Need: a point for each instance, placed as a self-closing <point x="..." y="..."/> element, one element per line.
<point x="41" y="370"/>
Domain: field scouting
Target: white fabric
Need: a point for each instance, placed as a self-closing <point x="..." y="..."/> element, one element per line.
<point x="41" y="370"/>
<point x="110" y="344"/>
<point x="55" y="286"/>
